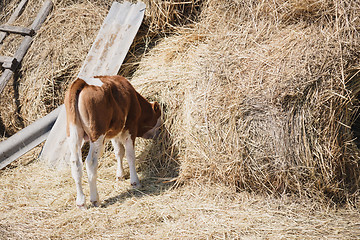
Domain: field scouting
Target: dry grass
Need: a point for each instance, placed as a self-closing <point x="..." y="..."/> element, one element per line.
<point x="38" y="203"/>
<point x="257" y="98"/>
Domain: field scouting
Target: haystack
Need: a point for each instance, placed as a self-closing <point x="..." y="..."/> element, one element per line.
<point x="256" y="94"/>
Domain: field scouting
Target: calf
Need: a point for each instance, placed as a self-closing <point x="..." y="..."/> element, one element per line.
<point x="106" y="107"/>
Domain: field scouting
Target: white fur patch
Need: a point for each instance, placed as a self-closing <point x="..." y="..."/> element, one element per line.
<point x="94" y="81"/>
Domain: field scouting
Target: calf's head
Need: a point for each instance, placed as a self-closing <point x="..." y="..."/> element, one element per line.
<point x="151" y="127"/>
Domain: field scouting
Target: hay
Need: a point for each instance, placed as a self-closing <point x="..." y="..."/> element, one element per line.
<point x="166" y="16"/>
<point x="38" y="203"/>
<point x="254" y="93"/>
<point x="256" y="97"/>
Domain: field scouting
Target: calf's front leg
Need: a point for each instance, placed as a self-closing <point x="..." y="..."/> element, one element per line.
<point x="119" y="155"/>
<point x="130" y="156"/>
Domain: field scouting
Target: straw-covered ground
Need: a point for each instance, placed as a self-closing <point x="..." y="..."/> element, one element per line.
<point x="38" y="203"/>
<point x="260" y="129"/>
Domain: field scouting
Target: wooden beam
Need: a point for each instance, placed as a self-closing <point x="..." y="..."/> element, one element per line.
<point x="40" y="18"/>
<point x="26" y="139"/>
<point x="18" y="30"/>
<point x="43" y="13"/>
<point x="4" y="78"/>
<point x="21" y="51"/>
<point x="13" y="17"/>
<point x="4" y="59"/>
<point x="9" y="62"/>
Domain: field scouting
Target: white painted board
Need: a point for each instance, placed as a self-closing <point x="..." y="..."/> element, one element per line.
<point x="113" y="40"/>
<point x="104" y="58"/>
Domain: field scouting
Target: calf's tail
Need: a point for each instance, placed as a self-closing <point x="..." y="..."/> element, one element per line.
<point x="71" y="102"/>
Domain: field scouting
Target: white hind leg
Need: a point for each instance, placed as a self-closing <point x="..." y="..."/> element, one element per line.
<point x="74" y="142"/>
<point x="95" y="152"/>
<point x="119" y="155"/>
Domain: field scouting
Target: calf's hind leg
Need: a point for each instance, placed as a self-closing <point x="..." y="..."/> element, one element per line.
<point x="74" y="142"/>
<point x="95" y="152"/>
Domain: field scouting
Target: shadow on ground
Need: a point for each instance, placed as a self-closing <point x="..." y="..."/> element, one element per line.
<point x="159" y="166"/>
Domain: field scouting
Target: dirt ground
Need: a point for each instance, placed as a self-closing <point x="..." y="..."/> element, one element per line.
<point x="39" y="203"/>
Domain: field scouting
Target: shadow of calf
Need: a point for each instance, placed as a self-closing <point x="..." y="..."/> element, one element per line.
<point x="160" y="168"/>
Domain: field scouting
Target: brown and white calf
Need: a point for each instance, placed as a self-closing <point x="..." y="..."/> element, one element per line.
<point x="106" y="107"/>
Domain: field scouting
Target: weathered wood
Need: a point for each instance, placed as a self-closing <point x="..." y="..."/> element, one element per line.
<point x="21" y="51"/>
<point x="12" y="65"/>
<point x="9" y="62"/>
<point x="42" y="15"/>
<point x="26" y="42"/>
<point x="113" y="40"/>
<point x="17" y="12"/>
<point x="26" y="139"/>
<point x="17" y="29"/>
<point x="4" y="79"/>
<point x="37" y="132"/>
<point x="13" y="17"/>
<point x="6" y="59"/>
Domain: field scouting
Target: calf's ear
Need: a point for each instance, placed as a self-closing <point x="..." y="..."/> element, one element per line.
<point x="156" y="107"/>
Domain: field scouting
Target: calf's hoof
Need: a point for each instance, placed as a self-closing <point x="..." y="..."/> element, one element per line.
<point x="82" y="206"/>
<point x="120" y="178"/>
<point x="136" y="185"/>
<point x="95" y="203"/>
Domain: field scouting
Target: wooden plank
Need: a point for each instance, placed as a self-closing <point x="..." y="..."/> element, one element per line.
<point x="6" y="59"/>
<point x="13" y="17"/>
<point x="17" y="29"/>
<point x="113" y="40"/>
<point x="4" y="79"/>
<point x="42" y="15"/>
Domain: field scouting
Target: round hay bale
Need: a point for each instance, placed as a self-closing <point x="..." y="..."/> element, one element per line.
<point x="256" y="98"/>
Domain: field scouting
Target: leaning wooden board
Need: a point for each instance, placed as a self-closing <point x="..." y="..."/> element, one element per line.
<point x="104" y="58"/>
